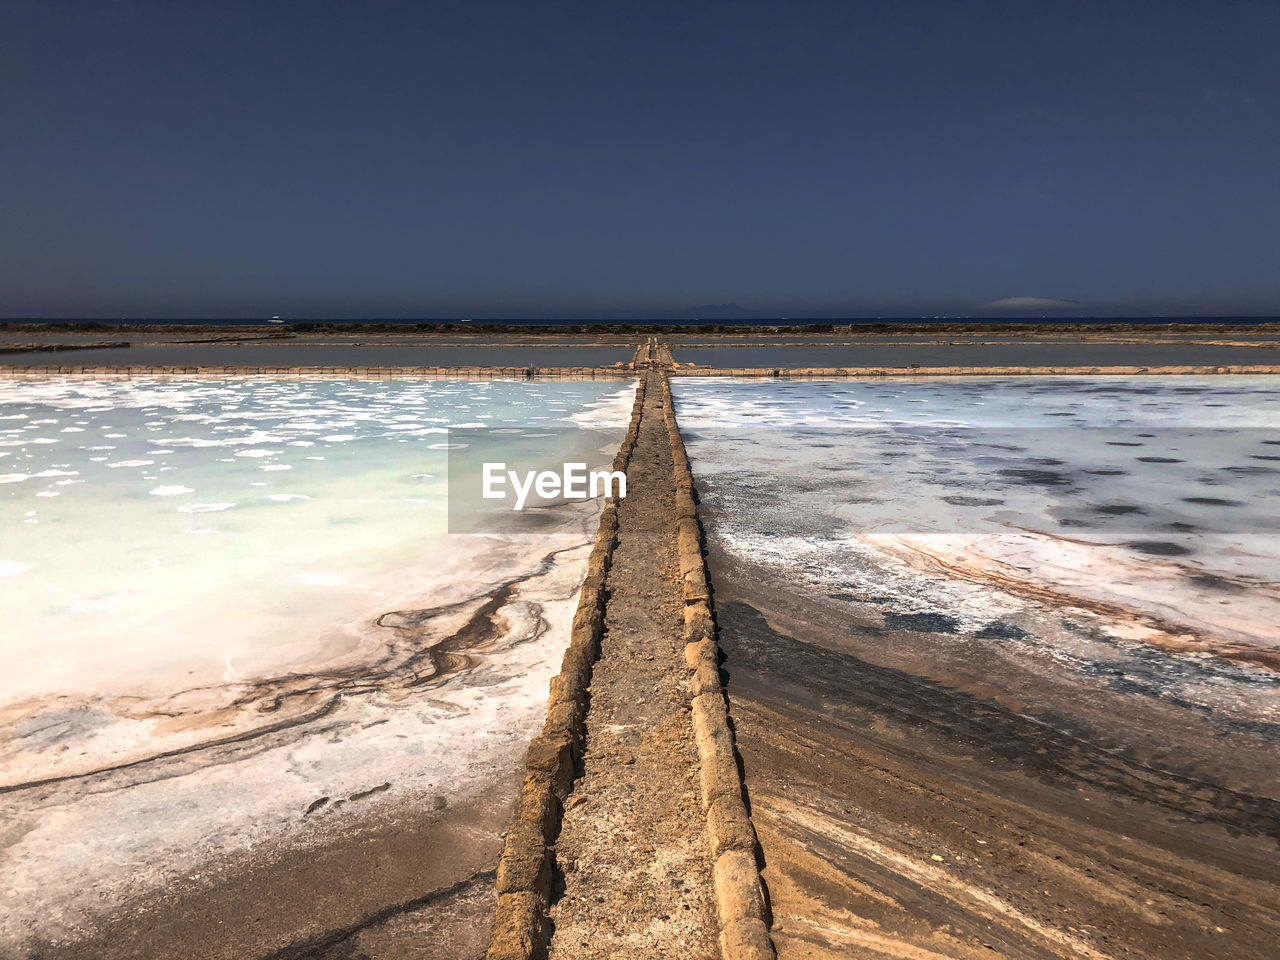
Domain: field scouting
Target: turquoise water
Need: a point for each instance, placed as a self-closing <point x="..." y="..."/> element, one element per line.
<point x="135" y="506"/>
<point x="222" y="600"/>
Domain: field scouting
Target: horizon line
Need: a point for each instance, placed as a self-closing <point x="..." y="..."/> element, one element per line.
<point x="551" y="318"/>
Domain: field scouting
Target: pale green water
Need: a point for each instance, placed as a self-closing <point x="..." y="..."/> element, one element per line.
<point x="187" y="526"/>
<point x="201" y="592"/>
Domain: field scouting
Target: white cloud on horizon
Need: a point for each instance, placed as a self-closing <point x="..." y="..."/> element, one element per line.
<point x="1030" y="303"/>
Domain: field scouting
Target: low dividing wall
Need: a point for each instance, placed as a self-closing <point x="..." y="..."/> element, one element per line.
<point x="794" y="373"/>
<point x="524" y="871"/>
<point x="739" y="894"/>
<point x="616" y="372"/>
<point x="13" y="372"/>
<point x="61" y="347"/>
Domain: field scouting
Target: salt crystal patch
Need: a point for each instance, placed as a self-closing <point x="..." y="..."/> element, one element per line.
<point x="131" y="463"/>
<point x="321" y="579"/>
<point x="205" y="507"/>
<point x="170" y="491"/>
<point x="286" y="497"/>
<point x="90" y="604"/>
<point x="10" y="568"/>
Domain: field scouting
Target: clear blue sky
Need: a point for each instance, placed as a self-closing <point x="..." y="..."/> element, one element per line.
<point x="574" y="159"/>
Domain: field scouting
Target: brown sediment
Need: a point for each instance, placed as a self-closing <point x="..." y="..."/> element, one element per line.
<point x="389" y="889"/>
<point x="902" y="818"/>
<point x="1167" y="635"/>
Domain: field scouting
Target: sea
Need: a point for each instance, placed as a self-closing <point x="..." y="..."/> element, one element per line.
<point x="638" y="321"/>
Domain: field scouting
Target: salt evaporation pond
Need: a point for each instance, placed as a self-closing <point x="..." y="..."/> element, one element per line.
<point x="228" y="605"/>
<point x="320" y="355"/>
<point x="986" y="354"/>
<point x="1072" y="542"/>
<point x="1002" y="658"/>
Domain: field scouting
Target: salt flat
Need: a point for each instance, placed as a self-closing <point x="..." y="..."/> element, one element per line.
<point x="236" y="625"/>
<point x="1001" y="657"/>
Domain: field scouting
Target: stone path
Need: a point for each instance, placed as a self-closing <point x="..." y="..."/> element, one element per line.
<point x="634" y="869"/>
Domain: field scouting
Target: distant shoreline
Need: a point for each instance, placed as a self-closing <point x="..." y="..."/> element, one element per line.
<point x="630" y="328"/>
<point x="11" y="373"/>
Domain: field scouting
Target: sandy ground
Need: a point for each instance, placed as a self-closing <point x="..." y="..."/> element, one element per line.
<point x="902" y="817"/>
<point x="414" y="885"/>
<point x="632" y="851"/>
<point x="216" y="853"/>
<point x="399" y="869"/>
